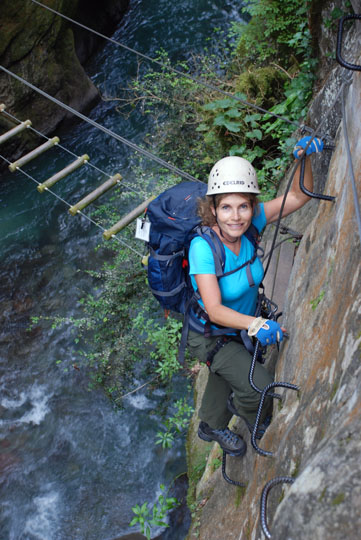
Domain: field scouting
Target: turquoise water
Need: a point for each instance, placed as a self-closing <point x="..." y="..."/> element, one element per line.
<point x="72" y="467"/>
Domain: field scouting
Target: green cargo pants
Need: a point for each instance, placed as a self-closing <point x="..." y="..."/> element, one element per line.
<point x="229" y="373"/>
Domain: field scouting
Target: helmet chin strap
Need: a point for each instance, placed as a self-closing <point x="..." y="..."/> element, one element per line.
<point x="220" y="230"/>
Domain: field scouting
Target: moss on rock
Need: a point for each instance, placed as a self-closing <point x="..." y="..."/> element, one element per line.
<point x="262" y="86"/>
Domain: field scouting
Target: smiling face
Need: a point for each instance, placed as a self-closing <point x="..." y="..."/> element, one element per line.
<point x="234" y="215"/>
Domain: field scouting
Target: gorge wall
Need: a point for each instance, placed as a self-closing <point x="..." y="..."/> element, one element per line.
<point x="315" y="433"/>
<point x="48" y="51"/>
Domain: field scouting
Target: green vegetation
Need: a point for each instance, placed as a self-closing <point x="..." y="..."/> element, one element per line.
<point x="316" y="301"/>
<point x="296" y="468"/>
<point x="323" y="493"/>
<point x="269" y="64"/>
<point x="240" y="493"/>
<point x="338" y="499"/>
<point x="147" y="516"/>
<point x="176" y="424"/>
<point x="334" y="390"/>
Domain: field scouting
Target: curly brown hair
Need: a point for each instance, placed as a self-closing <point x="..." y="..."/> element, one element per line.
<point x="207" y="203"/>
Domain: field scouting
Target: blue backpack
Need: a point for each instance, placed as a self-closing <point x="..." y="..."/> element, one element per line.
<point x="174" y="223"/>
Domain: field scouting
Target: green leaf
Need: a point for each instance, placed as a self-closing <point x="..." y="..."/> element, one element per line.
<point x="228" y="124"/>
<point x="202" y="127"/>
<point x="252" y="119"/>
<point x="144" y="508"/>
<point x="233" y="113"/>
<point x="254" y="134"/>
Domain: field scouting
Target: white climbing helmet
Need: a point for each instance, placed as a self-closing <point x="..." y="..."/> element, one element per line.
<point x="232" y="174"/>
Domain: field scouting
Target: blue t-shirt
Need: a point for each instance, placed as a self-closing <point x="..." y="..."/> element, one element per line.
<point x="235" y="290"/>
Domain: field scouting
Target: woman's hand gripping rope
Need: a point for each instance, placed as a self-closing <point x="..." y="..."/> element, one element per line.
<point x="266" y="331"/>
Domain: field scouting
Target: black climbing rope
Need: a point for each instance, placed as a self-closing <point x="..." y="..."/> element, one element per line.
<point x="225" y="475"/>
<point x="251" y="373"/>
<point x="266" y="389"/>
<point x="308" y="192"/>
<point x="340" y="60"/>
<point x="263" y="510"/>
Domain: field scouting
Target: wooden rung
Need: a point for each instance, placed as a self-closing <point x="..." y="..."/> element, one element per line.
<point x="95" y="194"/>
<point x="33" y="154"/>
<point x="2" y="107"/>
<point x="14" y="131"/>
<point x="64" y="172"/>
<point x="127" y="219"/>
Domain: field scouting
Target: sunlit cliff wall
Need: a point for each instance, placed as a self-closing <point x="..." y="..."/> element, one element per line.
<point x="315" y="433"/>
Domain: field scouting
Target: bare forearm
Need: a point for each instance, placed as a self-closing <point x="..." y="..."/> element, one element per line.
<point x="307" y="182"/>
<point x="225" y="316"/>
<point x="295" y="198"/>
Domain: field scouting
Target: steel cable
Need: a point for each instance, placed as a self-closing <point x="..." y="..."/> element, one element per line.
<point x="58" y="145"/>
<point x="116" y="136"/>
<point x="69" y="205"/>
<point x="350" y="166"/>
<point x="174" y="70"/>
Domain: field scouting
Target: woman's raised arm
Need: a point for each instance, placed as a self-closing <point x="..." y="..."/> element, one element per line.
<point x="295" y="198"/>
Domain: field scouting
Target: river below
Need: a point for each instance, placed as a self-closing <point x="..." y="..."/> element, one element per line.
<point x="71" y="465"/>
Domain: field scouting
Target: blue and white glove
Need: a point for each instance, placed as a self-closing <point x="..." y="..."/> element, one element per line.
<point x="266" y="331"/>
<point x="315" y="146"/>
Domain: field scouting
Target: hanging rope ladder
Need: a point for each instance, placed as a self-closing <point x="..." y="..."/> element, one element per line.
<point x="79" y="162"/>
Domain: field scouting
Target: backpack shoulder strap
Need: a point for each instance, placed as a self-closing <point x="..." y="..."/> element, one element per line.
<point x="216" y="246"/>
<point x="252" y="233"/>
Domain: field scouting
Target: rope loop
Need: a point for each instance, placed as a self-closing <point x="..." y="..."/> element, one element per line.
<point x="263" y="509"/>
<point x="339" y="58"/>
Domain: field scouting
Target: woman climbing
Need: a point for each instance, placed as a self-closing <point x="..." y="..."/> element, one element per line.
<point x="229" y="208"/>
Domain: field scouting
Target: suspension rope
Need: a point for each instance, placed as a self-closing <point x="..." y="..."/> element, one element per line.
<point x="69" y="205"/>
<point x="175" y="70"/>
<point x="58" y="145"/>
<point x="132" y="145"/>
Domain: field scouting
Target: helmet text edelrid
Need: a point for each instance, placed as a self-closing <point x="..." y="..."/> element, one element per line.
<point x="233" y="182"/>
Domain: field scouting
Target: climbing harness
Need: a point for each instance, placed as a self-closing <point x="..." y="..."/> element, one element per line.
<point x="220" y="343"/>
<point x="263" y="506"/>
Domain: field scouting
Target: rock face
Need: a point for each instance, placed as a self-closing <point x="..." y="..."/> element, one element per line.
<point x="39" y="46"/>
<point x="315" y="433"/>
